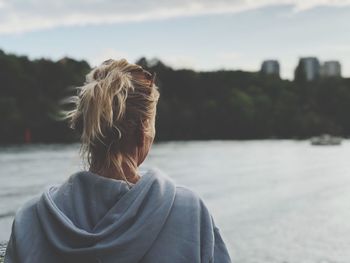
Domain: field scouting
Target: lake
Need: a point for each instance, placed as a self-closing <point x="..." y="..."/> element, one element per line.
<point x="273" y="200"/>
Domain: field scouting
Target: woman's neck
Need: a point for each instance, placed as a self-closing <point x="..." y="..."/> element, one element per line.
<point x="131" y="174"/>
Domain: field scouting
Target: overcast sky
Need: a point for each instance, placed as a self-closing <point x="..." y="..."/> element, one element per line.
<point x="203" y="35"/>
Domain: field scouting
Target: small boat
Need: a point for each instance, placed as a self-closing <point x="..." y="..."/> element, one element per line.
<point x="326" y="139"/>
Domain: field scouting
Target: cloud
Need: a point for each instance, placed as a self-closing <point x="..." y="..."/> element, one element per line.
<point x="18" y="16"/>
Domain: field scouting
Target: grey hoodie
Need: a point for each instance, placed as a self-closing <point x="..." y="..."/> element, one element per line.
<point x="90" y="218"/>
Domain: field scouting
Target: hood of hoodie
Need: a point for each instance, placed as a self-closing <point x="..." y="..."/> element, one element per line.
<point x="96" y="218"/>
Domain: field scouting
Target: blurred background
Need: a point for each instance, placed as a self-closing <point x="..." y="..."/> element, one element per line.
<point x="254" y="113"/>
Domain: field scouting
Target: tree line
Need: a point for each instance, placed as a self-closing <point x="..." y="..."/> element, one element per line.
<point x="193" y="105"/>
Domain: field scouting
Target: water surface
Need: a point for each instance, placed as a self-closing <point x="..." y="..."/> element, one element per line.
<point x="274" y="201"/>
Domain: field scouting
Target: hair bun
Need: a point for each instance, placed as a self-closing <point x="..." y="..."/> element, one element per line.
<point x="109" y="108"/>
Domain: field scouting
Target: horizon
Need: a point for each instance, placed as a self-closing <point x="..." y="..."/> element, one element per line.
<point x="202" y="36"/>
<point x="156" y="59"/>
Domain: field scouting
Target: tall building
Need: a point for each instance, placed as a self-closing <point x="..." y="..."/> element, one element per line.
<point x="270" y="67"/>
<point x="308" y="68"/>
<point x="331" y="69"/>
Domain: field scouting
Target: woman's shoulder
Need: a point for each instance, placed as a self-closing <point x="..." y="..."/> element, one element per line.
<point x="28" y="209"/>
<point x="26" y="213"/>
<point x="187" y="193"/>
<point x="184" y="196"/>
<point x="187" y="198"/>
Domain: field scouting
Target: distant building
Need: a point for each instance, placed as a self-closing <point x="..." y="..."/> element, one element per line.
<point x="309" y="68"/>
<point x="331" y="69"/>
<point x="270" y="67"/>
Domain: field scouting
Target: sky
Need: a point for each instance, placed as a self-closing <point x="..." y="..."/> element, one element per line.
<point x="200" y="35"/>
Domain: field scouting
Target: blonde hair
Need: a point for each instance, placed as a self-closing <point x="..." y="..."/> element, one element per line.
<point x="110" y="110"/>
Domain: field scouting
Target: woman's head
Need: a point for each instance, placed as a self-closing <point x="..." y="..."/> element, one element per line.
<point x="115" y="116"/>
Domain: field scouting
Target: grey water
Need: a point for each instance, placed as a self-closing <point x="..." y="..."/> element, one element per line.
<point x="273" y="200"/>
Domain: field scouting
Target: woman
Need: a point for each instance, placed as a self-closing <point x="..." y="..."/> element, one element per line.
<point x="111" y="213"/>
